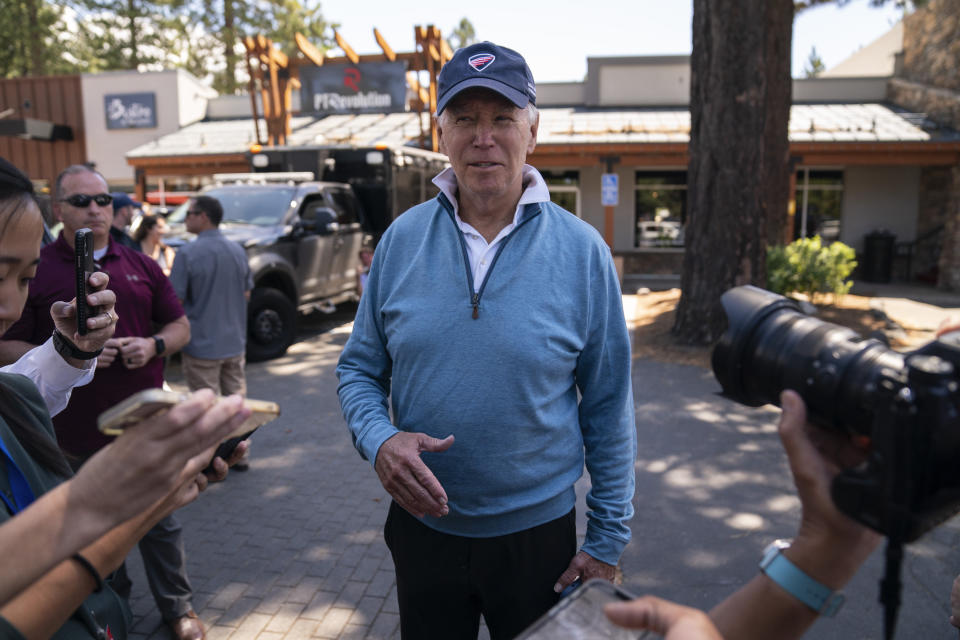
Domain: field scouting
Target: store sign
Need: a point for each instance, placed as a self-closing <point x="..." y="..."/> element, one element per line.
<point x="131" y="110"/>
<point x="609" y="190"/>
<point x="377" y="87"/>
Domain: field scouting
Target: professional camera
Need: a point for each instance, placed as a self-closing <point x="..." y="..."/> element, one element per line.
<point x="903" y="406"/>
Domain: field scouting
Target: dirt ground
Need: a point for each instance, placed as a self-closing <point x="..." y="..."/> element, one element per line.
<point x="654" y="316"/>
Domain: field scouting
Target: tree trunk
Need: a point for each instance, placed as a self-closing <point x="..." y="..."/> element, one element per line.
<point x="739" y="173"/>
<point x="38" y="65"/>
<point x="229" y="54"/>
<point x="134" y="52"/>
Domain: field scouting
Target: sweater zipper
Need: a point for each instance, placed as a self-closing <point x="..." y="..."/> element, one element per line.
<point x="476" y="295"/>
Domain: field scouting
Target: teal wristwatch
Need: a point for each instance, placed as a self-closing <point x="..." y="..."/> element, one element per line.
<point x="821" y="598"/>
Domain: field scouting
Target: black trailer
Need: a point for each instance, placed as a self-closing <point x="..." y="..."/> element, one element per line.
<point x="386" y="180"/>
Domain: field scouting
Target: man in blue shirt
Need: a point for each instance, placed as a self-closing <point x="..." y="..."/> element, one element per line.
<point x="492" y="320"/>
<point x="212" y="279"/>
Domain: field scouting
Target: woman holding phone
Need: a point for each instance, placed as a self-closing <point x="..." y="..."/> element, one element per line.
<point x="61" y="534"/>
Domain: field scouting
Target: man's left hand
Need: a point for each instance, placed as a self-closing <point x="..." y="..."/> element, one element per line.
<point x="585" y="566"/>
<point x="136" y="352"/>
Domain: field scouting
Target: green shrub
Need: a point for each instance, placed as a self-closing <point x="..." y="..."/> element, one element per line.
<point x="806" y="266"/>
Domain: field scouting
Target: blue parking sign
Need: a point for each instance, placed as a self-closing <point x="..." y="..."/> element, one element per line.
<point x="609" y="190"/>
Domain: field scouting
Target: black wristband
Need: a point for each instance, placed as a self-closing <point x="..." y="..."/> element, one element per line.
<point x="83" y="562"/>
<point x="69" y="350"/>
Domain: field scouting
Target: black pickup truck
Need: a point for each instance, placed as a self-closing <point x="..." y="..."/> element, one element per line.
<point x="302" y="239"/>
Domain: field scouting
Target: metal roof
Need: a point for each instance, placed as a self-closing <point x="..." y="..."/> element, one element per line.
<point x="808" y="123"/>
<point x="236" y="136"/>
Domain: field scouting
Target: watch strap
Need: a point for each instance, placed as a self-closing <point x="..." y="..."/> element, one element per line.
<point x="819" y="597"/>
<point x="159" y="345"/>
<point x="67" y="349"/>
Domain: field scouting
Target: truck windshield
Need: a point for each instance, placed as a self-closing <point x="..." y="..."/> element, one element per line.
<point x="262" y="205"/>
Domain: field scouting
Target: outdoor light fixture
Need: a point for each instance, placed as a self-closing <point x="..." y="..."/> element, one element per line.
<point x="33" y="129"/>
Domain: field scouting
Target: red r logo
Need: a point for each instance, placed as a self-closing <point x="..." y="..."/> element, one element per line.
<point x="351" y="77"/>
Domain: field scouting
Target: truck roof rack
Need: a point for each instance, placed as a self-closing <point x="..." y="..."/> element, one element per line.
<point x="263" y="178"/>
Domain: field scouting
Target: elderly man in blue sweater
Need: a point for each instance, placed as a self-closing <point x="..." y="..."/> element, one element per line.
<point x="492" y="320"/>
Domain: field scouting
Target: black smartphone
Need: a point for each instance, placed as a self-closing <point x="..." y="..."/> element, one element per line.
<point x="225" y="450"/>
<point x="83" y="267"/>
<point x="580" y="615"/>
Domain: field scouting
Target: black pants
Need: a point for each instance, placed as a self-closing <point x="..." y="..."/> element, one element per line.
<point x="445" y="582"/>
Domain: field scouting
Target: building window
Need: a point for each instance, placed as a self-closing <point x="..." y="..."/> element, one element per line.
<point x="819" y="204"/>
<point x="661" y="208"/>
<point x="564" y="189"/>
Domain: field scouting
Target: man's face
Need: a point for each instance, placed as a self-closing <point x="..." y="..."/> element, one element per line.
<point x="194" y="220"/>
<point x="487" y="139"/>
<point x="123" y="216"/>
<point x="96" y="217"/>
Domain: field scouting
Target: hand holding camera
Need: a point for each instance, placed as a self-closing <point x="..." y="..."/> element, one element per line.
<point x="902" y="409"/>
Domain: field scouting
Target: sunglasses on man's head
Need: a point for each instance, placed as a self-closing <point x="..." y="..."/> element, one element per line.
<point x="82" y="201"/>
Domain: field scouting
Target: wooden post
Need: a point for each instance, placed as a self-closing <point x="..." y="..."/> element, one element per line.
<point x="250" y="47"/>
<point x="608" y="226"/>
<point x="608" y="217"/>
<point x="140" y="184"/>
<point x="791" y="207"/>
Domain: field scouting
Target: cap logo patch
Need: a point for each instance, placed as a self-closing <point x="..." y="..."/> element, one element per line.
<point x="481" y="61"/>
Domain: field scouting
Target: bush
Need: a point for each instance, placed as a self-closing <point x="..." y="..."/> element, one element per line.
<point x="806" y="266"/>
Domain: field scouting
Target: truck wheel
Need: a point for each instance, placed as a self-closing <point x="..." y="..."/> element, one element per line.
<point x="271" y="324"/>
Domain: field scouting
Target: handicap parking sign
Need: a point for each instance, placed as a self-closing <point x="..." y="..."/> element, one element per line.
<point x="609" y="190"/>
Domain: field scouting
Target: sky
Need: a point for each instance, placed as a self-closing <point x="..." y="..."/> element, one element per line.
<point x="558" y="36"/>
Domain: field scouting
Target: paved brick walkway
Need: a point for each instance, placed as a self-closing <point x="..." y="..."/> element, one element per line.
<point x="292" y="548"/>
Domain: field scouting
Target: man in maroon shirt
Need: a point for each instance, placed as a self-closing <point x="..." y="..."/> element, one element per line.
<point x="130" y="361"/>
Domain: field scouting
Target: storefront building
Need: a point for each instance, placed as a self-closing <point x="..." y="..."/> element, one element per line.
<point x="861" y="163"/>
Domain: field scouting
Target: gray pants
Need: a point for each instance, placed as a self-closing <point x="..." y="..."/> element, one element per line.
<point x="165" y="563"/>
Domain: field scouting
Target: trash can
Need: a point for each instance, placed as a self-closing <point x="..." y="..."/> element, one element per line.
<point x="877" y="256"/>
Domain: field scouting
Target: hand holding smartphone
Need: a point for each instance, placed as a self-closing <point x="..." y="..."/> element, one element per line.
<point x="83" y="267"/>
<point x="580" y="615"/>
<point x="151" y="402"/>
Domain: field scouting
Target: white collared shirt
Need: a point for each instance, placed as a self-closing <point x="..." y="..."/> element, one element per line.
<point x="54" y="377"/>
<point x="479" y="251"/>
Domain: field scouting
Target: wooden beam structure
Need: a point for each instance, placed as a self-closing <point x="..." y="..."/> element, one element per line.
<point x="433" y="49"/>
<point x="273" y="75"/>
<point x="347" y="50"/>
<point x="306" y="47"/>
<point x="388" y="53"/>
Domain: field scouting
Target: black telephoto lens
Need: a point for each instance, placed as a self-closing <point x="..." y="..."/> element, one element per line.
<point x="771" y="345"/>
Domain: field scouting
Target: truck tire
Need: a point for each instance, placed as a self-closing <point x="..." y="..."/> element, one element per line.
<point x="271" y="324"/>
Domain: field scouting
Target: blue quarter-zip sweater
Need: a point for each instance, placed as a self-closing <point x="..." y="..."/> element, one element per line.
<point x="500" y="370"/>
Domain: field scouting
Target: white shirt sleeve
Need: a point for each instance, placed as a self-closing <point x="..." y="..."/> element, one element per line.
<point x="54" y="377"/>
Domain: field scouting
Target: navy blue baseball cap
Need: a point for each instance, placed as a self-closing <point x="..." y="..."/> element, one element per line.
<point x="121" y="200"/>
<point x="490" y="66"/>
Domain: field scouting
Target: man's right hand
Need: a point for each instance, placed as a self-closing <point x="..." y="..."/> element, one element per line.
<point x="111" y="350"/>
<point x="407" y="479"/>
<point x="100" y="327"/>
